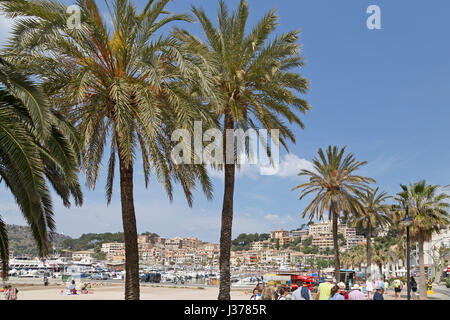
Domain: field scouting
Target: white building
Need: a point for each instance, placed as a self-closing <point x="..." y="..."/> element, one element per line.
<point x="113" y="248"/>
<point x="443" y="238"/>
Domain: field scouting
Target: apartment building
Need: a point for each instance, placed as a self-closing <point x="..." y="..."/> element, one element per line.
<point x="113" y="248"/>
<point x="81" y="255"/>
<point x="174" y="243"/>
<point x="323" y="236"/>
<point x="261" y="245"/>
<point x="279" y="234"/>
<point x="190" y="243"/>
<point x="299" y="233"/>
<point x="325" y="228"/>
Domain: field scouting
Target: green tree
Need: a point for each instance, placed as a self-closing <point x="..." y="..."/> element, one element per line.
<point x="37" y="148"/>
<point x="100" y="255"/>
<point x="429" y="210"/>
<point x="380" y="254"/>
<point x="335" y="185"/>
<point x="375" y="213"/>
<point x="258" y="89"/>
<point x="128" y="88"/>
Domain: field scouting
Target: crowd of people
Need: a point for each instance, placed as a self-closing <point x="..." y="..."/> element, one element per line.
<point x="330" y="289"/>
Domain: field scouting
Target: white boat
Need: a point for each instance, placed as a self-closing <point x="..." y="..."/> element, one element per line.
<point x="245" y="282"/>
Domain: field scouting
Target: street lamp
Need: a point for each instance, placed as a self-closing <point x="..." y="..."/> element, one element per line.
<point x="407" y="222"/>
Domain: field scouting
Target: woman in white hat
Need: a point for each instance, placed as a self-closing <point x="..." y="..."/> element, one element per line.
<point x="342" y="291"/>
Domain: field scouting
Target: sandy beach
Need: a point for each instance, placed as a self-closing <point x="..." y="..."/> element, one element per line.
<point x="116" y="292"/>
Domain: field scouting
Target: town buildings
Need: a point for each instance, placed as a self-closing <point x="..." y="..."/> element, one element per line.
<point x="322" y="235"/>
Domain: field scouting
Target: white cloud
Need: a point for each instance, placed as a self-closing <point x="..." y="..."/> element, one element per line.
<point x="272" y="217"/>
<point x="289" y="167"/>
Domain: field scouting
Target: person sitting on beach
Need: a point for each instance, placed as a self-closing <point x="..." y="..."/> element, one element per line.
<point x="72" y="288"/>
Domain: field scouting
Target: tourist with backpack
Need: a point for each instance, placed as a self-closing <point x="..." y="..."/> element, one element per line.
<point x="398" y="286"/>
<point x="302" y="292"/>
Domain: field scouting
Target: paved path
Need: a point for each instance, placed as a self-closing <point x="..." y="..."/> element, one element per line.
<point x="441" y="292"/>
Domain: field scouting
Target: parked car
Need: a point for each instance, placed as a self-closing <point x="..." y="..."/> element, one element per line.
<point x="100" y="276"/>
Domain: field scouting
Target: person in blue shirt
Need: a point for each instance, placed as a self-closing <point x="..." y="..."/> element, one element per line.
<point x="379" y="294"/>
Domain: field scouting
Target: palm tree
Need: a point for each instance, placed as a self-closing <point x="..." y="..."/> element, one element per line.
<point x="375" y="214"/>
<point x="380" y="254"/>
<point x="253" y="77"/>
<point x="36" y="146"/>
<point x="127" y="89"/>
<point x="398" y="249"/>
<point x="335" y="186"/>
<point x="428" y="209"/>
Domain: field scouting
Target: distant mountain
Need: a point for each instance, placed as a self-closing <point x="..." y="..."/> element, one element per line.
<point x="21" y="241"/>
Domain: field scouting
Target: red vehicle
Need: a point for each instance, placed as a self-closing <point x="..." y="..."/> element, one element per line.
<point x="307" y="281"/>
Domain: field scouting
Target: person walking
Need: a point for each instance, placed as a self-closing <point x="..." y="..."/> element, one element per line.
<point x="414" y="286"/>
<point x="356" y="294"/>
<point x="302" y="292"/>
<point x="379" y="293"/>
<point x="334" y="293"/>
<point x="45" y="281"/>
<point x="379" y="283"/>
<point x="324" y="290"/>
<point x="369" y="287"/>
<point x="398" y="285"/>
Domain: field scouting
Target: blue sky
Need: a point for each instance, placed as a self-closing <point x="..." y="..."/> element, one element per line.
<point x="382" y="93"/>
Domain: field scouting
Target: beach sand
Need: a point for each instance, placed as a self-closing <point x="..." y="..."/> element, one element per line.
<point x="116" y="292"/>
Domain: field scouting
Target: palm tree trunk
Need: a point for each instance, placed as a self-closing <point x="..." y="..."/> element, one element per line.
<point x="368" y="248"/>
<point x="227" y="220"/>
<point x="422" y="278"/>
<point x="130" y="232"/>
<point x="337" y="263"/>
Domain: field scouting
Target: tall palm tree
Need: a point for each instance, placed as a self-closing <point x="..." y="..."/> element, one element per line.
<point x="37" y="148"/>
<point x="429" y="210"/>
<point x="335" y="186"/>
<point x="257" y="81"/>
<point x="375" y="214"/>
<point x="127" y="89"/>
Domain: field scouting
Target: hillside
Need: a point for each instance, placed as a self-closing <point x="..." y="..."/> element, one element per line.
<point x="21" y="241"/>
